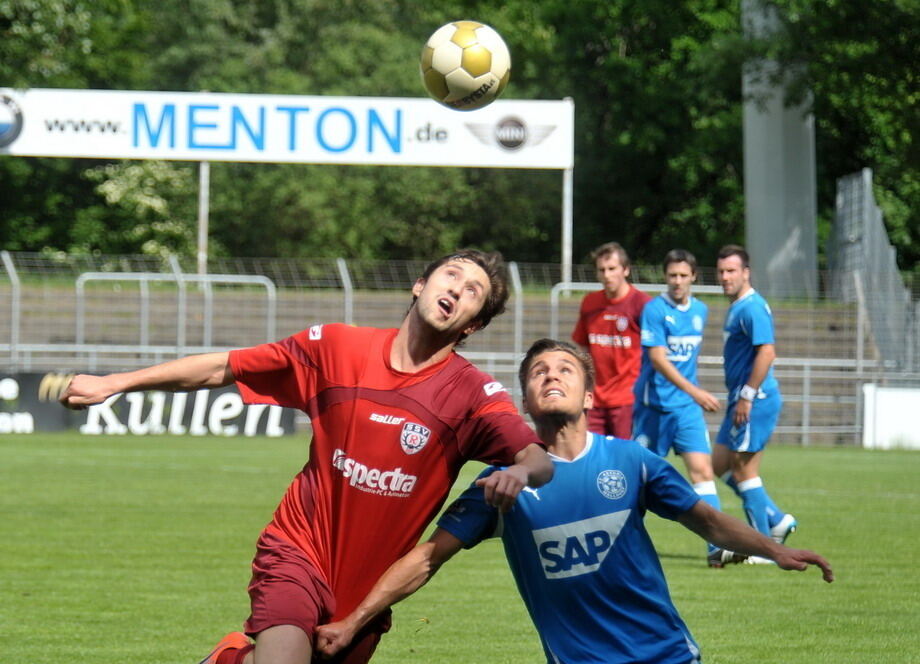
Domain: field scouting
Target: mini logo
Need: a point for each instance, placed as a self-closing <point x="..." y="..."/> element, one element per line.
<point x="413" y="437"/>
<point x="611" y="484"/>
<point x="622" y="323"/>
<point x="10" y="120"/>
<point x="316" y="332"/>
<point x="643" y="440"/>
<point x="670" y="319"/>
<point x="511" y="133"/>
<point x="698" y="323"/>
<point x="493" y="388"/>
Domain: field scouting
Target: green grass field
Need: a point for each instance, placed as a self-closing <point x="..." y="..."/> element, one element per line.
<point x="125" y="549"/>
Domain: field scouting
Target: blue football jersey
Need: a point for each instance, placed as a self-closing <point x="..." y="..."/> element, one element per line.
<point x="582" y="559"/>
<point x="748" y="324"/>
<point x="679" y="328"/>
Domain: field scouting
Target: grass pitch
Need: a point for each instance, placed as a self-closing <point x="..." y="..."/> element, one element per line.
<point x="130" y="549"/>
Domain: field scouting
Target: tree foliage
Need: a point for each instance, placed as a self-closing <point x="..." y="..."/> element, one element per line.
<point x="656" y="85"/>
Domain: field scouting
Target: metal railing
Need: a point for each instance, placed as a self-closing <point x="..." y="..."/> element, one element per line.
<point x="123" y="317"/>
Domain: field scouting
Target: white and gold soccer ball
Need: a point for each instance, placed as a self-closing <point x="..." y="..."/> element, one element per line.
<point x="465" y="65"/>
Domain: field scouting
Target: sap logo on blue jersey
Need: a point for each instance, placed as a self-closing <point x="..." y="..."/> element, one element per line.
<point x="577" y="548"/>
<point x="681" y="348"/>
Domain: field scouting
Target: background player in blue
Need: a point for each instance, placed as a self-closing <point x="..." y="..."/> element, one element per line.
<point x="577" y="546"/>
<point x="668" y="412"/>
<point x="754" y="400"/>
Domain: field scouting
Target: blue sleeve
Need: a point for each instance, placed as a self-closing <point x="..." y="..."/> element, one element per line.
<point x="469" y="518"/>
<point x="667" y="493"/>
<point x="760" y="324"/>
<point x="652" y="322"/>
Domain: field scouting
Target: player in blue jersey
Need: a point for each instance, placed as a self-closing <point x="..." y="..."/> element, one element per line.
<point x="668" y="413"/>
<point x="577" y="546"/>
<point x="754" y="400"/>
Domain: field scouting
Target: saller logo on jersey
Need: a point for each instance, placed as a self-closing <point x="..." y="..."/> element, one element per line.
<point x="577" y="548"/>
<point x="413" y="437"/>
<point x="373" y="480"/>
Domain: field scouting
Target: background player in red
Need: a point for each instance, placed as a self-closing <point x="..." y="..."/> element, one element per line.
<point x="395" y="413"/>
<point x="608" y="328"/>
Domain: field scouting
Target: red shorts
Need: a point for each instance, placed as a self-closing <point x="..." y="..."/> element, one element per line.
<point x="286" y="589"/>
<point x="613" y="421"/>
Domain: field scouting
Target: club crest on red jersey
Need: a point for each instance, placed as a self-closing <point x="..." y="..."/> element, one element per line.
<point x="413" y="437"/>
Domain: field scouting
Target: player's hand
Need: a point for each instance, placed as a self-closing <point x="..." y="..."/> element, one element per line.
<point x="742" y="412"/>
<point x="706" y="400"/>
<point x="332" y="638"/>
<point x="502" y="487"/>
<point x="800" y="559"/>
<point x="84" y="391"/>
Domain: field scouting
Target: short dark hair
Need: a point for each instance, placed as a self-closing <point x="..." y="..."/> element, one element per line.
<point x="610" y="248"/>
<point x="546" y="345"/>
<point x="735" y="250"/>
<point x="493" y="265"/>
<point x="679" y="256"/>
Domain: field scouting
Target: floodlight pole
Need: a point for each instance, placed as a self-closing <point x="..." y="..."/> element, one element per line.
<point x="204" y="194"/>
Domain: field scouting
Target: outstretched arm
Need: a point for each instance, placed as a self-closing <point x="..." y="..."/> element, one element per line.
<point x="403" y="578"/>
<point x="729" y="533"/>
<point x="187" y="373"/>
<point x="532" y="467"/>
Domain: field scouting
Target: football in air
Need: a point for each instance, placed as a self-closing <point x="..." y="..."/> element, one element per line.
<point x="465" y="65"/>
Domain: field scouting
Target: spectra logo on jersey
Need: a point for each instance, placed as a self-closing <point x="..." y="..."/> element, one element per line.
<point x="579" y="547"/>
<point x="609" y="340"/>
<point x="393" y="482"/>
<point x="10" y="120"/>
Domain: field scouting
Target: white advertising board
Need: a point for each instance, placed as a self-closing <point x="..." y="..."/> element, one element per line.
<point x="282" y="128"/>
<point x="890" y="417"/>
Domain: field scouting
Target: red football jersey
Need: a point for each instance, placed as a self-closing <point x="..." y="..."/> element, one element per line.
<point x="387" y="445"/>
<point x="611" y="329"/>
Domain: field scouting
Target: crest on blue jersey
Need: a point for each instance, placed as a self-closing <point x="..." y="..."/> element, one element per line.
<point x="698" y="323"/>
<point x="611" y="484"/>
<point x="413" y="437"/>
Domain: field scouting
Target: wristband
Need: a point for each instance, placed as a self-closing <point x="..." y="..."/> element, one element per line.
<point x="748" y="393"/>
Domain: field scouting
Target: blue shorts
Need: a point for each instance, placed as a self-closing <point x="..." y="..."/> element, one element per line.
<point x="683" y="429"/>
<point x="753" y="436"/>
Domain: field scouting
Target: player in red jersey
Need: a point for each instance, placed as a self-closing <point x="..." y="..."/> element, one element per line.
<point x="395" y="413"/>
<point x="608" y="328"/>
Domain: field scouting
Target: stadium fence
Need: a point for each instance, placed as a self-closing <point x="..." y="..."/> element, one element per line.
<point x="98" y="313"/>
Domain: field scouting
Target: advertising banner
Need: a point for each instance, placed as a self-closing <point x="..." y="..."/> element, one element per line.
<point x="29" y="403"/>
<point x="283" y="128"/>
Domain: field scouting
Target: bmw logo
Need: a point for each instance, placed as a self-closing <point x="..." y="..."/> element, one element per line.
<point x="10" y="120"/>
